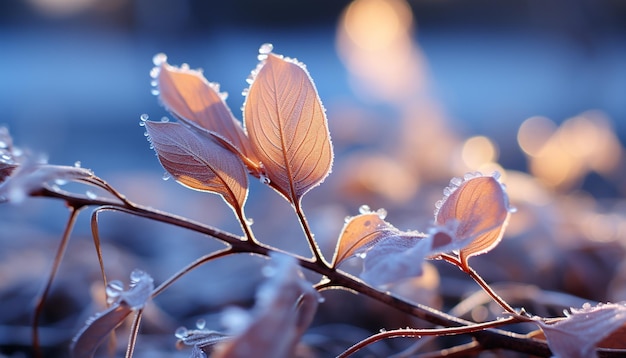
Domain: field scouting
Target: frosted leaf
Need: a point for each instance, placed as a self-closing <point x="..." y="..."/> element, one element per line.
<point x="478" y="210"/>
<point x="587" y="327"/>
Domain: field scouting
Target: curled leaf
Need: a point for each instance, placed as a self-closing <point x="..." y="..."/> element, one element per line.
<point x="578" y="335"/>
<point x="360" y="233"/>
<point x="287" y="127"/>
<point x="199" y="162"/>
<point x="285" y="306"/>
<point x="199" y="104"/>
<point x="477" y="209"/>
<point x="124" y="302"/>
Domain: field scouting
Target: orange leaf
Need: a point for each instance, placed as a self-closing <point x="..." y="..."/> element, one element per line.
<point x="198" y="103"/>
<point x="199" y="163"/>
<point x="360" y="233"/>
<point x="287" y="127"/>
<point x="478" y="209"/>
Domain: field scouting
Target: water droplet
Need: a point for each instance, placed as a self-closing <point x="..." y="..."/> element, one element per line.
<point x="364" y="209"/>
<point x="249" y="221"/>
<point x="496" y="175"/>
<point x="321" y="299"/>
<point x="200" y="323"/>
<point x="154" y="83"/>
<point x="144" y="117"/>
<point x="250" y="79"/>
<point x="164" y="119"/>
<point x="137" y="275"/>
<point x="382" y="330"/>
<point x="142" y="123"/>
<point x="512" y="209"/>
<point x="60" y="181"/>
<point x="382" y="213"/>
<point x="181" y="332"/>
<point x="154" y="92"/>
<point x="159" y="59"/>
<point x="167" y="176"/>
<point x="113" y="290"/>
<point x="586" y="305"/>
<point x="223" y="95"/>
<point x="184" y="66"/>
<point x="91" y="195"/>
<point x="438" y="204"/>
<point x="3" y="145"/>
<point x="154" y="72"/>
<point x="77" y="164"/>
<point x="456" y="181"/>
<point x="245" y="91"/>
<point x="266" y="49"/>
<point x="347" y="219"/>
<point x="447" y="191"/>
<point x="361" y="255"/>
<point x="146" y="134"/>
<point x="264" y="179"/>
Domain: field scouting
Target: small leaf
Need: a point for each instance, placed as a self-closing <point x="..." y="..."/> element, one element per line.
<point x="578" y="335"/>
<point x="360" y="233"/>
<point x="96" y="329"/>
<point x="287" y="126"/>
<point x="199" y="163"/>
<point x="199" y="104"/>
<point x="478" y="209"/>
<point x="285" y="306"/>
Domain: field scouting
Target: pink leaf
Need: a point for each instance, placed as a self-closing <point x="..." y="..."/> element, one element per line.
<point x="360" y="233"/>
<point x="478" y="210"/>
<point x="199" y="162"/>
<point x="199" y="104"/>
<point x="578" y="335"/>
<point x="287" y="126"/>
<point x="285" y="306"/>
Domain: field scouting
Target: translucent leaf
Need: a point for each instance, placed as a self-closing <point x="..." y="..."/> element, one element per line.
<point x="577" y="335"/>
<point x="287" y="127"/>
<point x="360" y="233"/>
<point x="198" y="103"/>
<point x="478" y="209"/>
<point x="97" y="328"/>
<point x="285" y="306"/>
<point x="199" y="162"/>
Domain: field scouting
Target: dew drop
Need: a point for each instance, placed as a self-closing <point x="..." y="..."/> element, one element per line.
<point x="144" y="117"/>
<point x="60" y="182"/>
<point x="250" y="79"/>
<point x="512" y="209"/>
<point x="167" y="176"/>
<point x="347" y="219"/>
<point x="114" y="289"/>
<point x="137" y="275"/>
<point x="201" y="323"/>
<point x="364" y="209"/>
<point x="382" y="330"/>
<point x="321" y="299"/>
<point x="3" y="145"/>
<point x="382" y="213"/>
<point x="77" y="164"/>
<point x="249" y="221"/>
<point x="361" y="255"/>
<point x="181" y="332"/>
<point x="154" y="72"/>
<point x="447" y="191"/>
<point x="266" y="49"/>
<point x="164" y="119"/>
<point x="142" y="123"/>
<point x="438" y="204"/>
<point x="264" y="179"/>
<point x="159" y="59"/>
<point x="154" y="92"/>
<point x="154" y="83"/>
<point x="586" y="305"/>
<point x="245" y="91"/>
<point x="91" y="195"/>
<point x="184" y="66"/>
<point x="456" y="181"/>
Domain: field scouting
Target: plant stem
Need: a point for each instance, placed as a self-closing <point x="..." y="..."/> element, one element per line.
<point x="133" y="333"/>
<point x="317" y="254"/>
<point x="74" y="210"/>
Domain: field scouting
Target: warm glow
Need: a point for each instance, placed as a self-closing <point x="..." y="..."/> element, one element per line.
<point x="375" y="25"/>
<point x="478" y="151"/>
<point x="534" y="133"/>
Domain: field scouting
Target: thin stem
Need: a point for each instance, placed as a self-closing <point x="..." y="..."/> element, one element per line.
<point x="200" y="261"/>
<point x="134" y="330"/>
<point x="476" y="277"/>
<point x="470" y="349"/>
<point x="39" y="302"/>
<point x="96" y="238"/>
<point x="417" y="333"/>
<point x="317" y="253"/>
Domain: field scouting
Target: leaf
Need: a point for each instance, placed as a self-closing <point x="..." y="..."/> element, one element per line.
<point x="585" y="327"/>
<point x="97" y="328"/>
<point x="199" y="104"/>
<point x="360" y="233"/>
<point x="478" y="209"/>
<point x="199" y="163"/>
<point x="285" y="306"/>
<point x="287" y="127"/>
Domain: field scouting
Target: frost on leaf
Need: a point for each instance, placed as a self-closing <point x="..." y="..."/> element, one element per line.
<point x="578" y="335"/>
<point x="285" y="306"/>
<point x="199" y="162"/>
<point x="199" y="104"/>
<point x="477" y="209"/>
<point x="287" y="127"/>
<point x="124" y="302"/>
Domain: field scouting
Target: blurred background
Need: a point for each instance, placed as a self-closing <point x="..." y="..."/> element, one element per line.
<point x="416" y="92"/>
